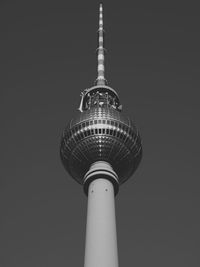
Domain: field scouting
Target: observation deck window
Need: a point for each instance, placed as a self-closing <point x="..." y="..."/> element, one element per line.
<point x="101" y="98"/>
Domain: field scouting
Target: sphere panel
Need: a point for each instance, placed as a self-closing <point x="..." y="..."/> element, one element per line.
<point x="101" y="134"/>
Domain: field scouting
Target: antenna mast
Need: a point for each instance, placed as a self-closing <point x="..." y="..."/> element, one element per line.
<point x="100" y="50"/>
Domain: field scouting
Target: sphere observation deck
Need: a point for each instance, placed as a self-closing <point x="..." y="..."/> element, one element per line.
<point x="100" y="132"/>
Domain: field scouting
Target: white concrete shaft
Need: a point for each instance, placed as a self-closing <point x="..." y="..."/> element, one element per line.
<point x="101" y="237"/>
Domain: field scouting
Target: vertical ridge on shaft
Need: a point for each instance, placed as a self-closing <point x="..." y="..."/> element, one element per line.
<point x="101" y="236"/>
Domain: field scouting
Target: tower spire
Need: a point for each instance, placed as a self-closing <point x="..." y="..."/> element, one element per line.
<point x="100" y="50"/>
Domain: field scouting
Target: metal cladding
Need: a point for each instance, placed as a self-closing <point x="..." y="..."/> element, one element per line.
<point x="100" y="132"/>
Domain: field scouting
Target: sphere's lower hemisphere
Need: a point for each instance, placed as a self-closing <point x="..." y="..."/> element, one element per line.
<point x="101" y="134"/>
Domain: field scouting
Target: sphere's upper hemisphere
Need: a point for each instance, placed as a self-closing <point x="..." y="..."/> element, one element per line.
<point x="101" y="133"/>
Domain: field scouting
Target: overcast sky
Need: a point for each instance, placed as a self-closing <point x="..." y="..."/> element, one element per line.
<point x="47" y="57"/>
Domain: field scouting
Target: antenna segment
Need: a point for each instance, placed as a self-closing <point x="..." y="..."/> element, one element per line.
<point x="100" y="68"/>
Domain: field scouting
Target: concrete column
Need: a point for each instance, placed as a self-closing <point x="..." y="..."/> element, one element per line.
<point x="101" y="237"/>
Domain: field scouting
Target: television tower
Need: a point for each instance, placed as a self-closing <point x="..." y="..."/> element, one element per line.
<point x="100" y="149"/>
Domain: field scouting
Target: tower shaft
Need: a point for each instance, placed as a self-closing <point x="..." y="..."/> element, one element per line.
<point x="101" y="238"/>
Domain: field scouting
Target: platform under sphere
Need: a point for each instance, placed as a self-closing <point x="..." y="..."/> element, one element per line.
<point x="101" y="134"/>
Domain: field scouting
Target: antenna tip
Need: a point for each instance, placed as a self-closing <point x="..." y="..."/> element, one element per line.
<point x="101" y="7"/>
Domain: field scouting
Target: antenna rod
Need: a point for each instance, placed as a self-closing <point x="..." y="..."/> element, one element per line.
<point x="100" y="68"/>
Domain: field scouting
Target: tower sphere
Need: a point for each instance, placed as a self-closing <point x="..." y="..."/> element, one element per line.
<point x="100" y="132"/>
